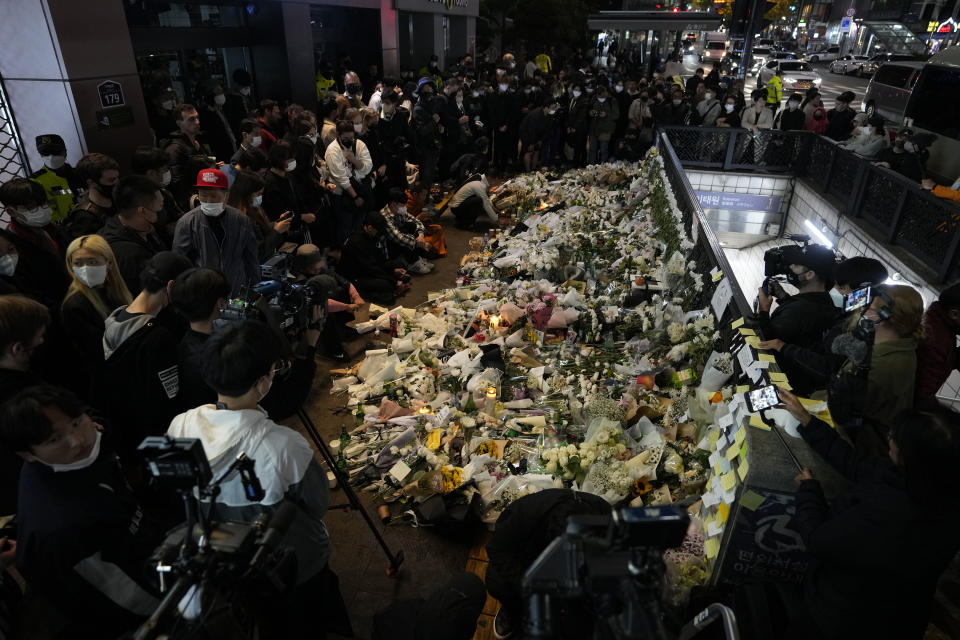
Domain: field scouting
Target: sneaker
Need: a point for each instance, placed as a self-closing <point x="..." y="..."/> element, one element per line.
<point x="502" y="626"/>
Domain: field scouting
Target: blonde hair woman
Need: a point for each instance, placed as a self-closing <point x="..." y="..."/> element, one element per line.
<point x="96" y="290"/>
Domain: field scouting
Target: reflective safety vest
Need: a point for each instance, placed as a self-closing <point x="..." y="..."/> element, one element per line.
<point x="774" y="90"/>
<point x="543" y="61"/>
<point x="58" y="190"/>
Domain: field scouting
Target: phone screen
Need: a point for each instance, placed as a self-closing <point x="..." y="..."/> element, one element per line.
<point x="764" y="398"/>
<point x="857" y="299"/>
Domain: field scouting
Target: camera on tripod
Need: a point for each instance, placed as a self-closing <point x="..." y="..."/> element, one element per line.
<point x="608" y="567"/>
<point x="223" y="571"/>
<point x="290" y="307"/>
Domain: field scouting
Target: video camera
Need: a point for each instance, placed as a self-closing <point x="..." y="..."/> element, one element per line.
<point x="290" y="307"/>
<point x="609" y="566"/>
<point x="224" y="571"/>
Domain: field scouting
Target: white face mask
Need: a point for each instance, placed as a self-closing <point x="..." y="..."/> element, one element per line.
<point x="677" y="102"/>
<point x="618" y="88"/>
<point x="313" y="138"/>
<point x="707" y="96"/>
<point x="577" y="93"/>
<point x="255" y="141"/>
<point x="245" y="91"/>
<point x="589" y="89"/>
<point x="865" y="130"/>
<point x="837" y="297"/>
<point x="167" y="177"/>
<point x="291" y="165"/>
<point x="54" y="162"/>
<point x="601" y="100"/>
<point x="8" y="264"/>
<point x="476" y="94"/>
<point x="729" y="107"/>
<point x="909" y="147"/>
<point x="91" y="275"/>
<point x="79" y="464"/>
<point x="39" y="217"/>
<point x="956" y="185"/>
<point x="793" y="105"/>
<point x="358" y="128"/>
<point x="212" y="209"/>
<point x="168" y="105"/>
<point x="504" y="87"/>
<point x="264" y="394"/>
<point x="257" y="200"/>
<point x="220" y="99"/>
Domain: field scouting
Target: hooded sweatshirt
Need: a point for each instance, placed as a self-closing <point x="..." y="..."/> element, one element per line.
<point x="284" y="465"/>
<point x="141" y="381"/>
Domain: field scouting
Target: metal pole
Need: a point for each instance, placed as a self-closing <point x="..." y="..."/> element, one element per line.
<point x="748" y="38"/>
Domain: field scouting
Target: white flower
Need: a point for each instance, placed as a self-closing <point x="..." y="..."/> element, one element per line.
<point x="675" y="332"/>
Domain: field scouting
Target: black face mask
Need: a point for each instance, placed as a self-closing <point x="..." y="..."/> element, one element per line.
<point x="794" y="278"/>
<point x="346" y="144"/>
<point x="105" y="190"/>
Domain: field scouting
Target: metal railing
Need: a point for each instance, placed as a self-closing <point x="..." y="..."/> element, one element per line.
<point x="13" y="161"/>
<point x="895" y="209"/>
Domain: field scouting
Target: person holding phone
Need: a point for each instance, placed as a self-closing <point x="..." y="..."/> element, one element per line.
<point x="878" y="549"/>
<point x="348" y="162"/>
<point x="246" y="194"/>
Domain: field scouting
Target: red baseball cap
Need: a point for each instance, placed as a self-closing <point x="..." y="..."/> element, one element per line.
<point x="212" y="178"/>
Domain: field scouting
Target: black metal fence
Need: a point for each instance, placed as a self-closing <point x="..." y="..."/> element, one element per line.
<point x="898" y="210"/>
<point x="13" y="163"/>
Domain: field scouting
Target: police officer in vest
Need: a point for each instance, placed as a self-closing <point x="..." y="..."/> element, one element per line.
<point x="57" y="177"/>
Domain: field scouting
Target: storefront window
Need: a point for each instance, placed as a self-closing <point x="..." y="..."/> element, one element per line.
<point x="191" y="73"/>
<point x="184" y="15"/>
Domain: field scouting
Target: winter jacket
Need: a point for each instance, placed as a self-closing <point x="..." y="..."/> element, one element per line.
<point x="194" y="390"/>
<point x="810" y="368"/>
<point x="762" y="120"/>
<point x="365" y="257"/>
<point x="131" y="250"/>
<point x="534" y="127"/>
<point x="792" y="120"/>
<point x="186" y="161"/>
<point x="12" y="382"/>
<point x="603" y="126"/>
<point x="816" y="125"/>
<point x="707" y="112"/>
<point x="937" y="354"/>
<point x="85" y="326"/>
<point x="867" y="146"/>
<point x="140" y="385"/>
<point x="890" y="382"/>
<point x="40" y="272"/>
<point x="285" y="467"/>
<point x="840" y="123"/>
<point x="800" y="319"/>
<point x="83" y="541"/>
<point x="87" y="218"/>
<point x="877" y="553"/>
<point x="577" y="118"/>
<point x="235" y="255"/>
<point x="906" y="164"/>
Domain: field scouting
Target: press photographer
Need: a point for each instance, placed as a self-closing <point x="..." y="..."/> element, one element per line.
<point x="241" y="363"/>
<point x="810" y="368"/>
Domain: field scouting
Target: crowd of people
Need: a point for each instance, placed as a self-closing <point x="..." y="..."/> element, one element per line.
<point x="113" y="286"/>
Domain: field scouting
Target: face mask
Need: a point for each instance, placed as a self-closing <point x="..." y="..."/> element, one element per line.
<point x="8" y="264"/>
<point x="475" y="94"/>
<point x="818" y="116"/>
<point x="167" y="177"/>
<point x="618" y="88"/>
<point x="245" y="91"/>
<point x="269" y="386"/>
<point x="358" y="128"/>
<point x="79" y="464"/>
<point x="291" y="165"/>
<point x="589" y="89"/>
<point x="212" y="209"/>
<point x="257" y="200"/>
<point x="504" y="87"/>
<point x="794" y="278"/>
<point x="707" y="96"/>
<point x="793" y="105"/>
<point x="39" y="217"/>
<point x="168" y="105"/>
<point x="601" y="100"/>
<point x="220" y="99"/>
<point x="865" y="130"/>
<point x="92" y="276"/>
<point x="527" y="90"/>
<point x="909" y="147"/>
<point x="677" y="102"/>
<point x="837" y="297"/>
<point x="956" y="185"/>
<point x="346" y="144"/>
<point x="106" y="190"/>
<point x="54" y="162"/>
<point x="577" y="94"/>
<point x="313" y="138"/>
<point x="729" y="107"/>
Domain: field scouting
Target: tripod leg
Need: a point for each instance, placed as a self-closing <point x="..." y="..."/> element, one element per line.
<point x="396" y="559"/>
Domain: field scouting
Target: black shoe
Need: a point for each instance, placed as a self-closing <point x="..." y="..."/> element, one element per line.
<point x="502" y="626"/>
<point x="336" y="357"/>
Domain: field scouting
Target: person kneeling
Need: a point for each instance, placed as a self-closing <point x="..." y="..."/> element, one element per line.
<point x="240" y="364"/>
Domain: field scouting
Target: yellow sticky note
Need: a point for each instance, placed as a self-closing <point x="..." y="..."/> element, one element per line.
<point x="736" y="324"/>
<point x="743" y="388"/>
<point x="767" y="357"/>
<point x="728" y="481"/>
<point x="743" y="469"/>
<point x="733" y="452"/>
<point x="746" y="331"/>
<point x="713" y="437"/>
<point x="723" y="511"/>
<point x="716" y="468"/>
<point x="753" y="341"/>
<point x="717" y="276"/>
<point x="739" y="437"/>
<point x="755" y="421"/>
<point x="776" y="376"/>
<point x="751" y="500"/>
<point x="743" y="451"/>
<point x="712" y="547"/>
<point x="785" y="385"/>
<point x="434" y="438"/>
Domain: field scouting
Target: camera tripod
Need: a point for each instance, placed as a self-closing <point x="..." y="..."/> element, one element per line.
<point x="353" y="502"/>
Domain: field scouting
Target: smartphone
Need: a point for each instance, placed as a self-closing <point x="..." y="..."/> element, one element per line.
<point x="763" y="398"/>
<point x="856" y="299"/>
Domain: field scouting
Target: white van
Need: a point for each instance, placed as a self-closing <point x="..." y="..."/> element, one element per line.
<point x="714" y="46"/>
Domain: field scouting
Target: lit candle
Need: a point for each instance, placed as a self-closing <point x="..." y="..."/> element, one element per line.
<point x="424" y="410"/>
<point x="494" y="323"/>
<point x="491" y="400"/>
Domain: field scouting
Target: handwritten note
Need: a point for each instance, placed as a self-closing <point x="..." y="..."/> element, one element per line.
<point x="743" y="469"/>
<point x="736" y="324"/>
<point x="751" y="500"/>
<point x="746" y="331"/>
<point x="728" y="480"/>
<point x="721" y="297"/>
<point x="767" y="357"/>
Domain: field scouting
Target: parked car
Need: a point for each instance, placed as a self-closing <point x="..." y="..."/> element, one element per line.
<point x="829" y="54"/>
<point x="731" y="62"/>
<point x="889" y="91"/>
<point x="847" y="64"/>
<point x="759" y="56"/>
<point x="797" y="75"/>
<point x="870" y="66"/>
<point x="786" y="55"/>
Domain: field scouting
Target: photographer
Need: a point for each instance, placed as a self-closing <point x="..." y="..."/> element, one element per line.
<point x="902" y="509"/>
<point x="240" y="364"/>
<point x="82" y="539"/>
<point x="810" y="368"/>
<point x="802" y="318"/>
<point x="524" y="530"/>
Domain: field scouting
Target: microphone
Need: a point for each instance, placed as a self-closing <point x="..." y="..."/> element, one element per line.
<point x="276" y="530"/>
<point x="846" y="345"/>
